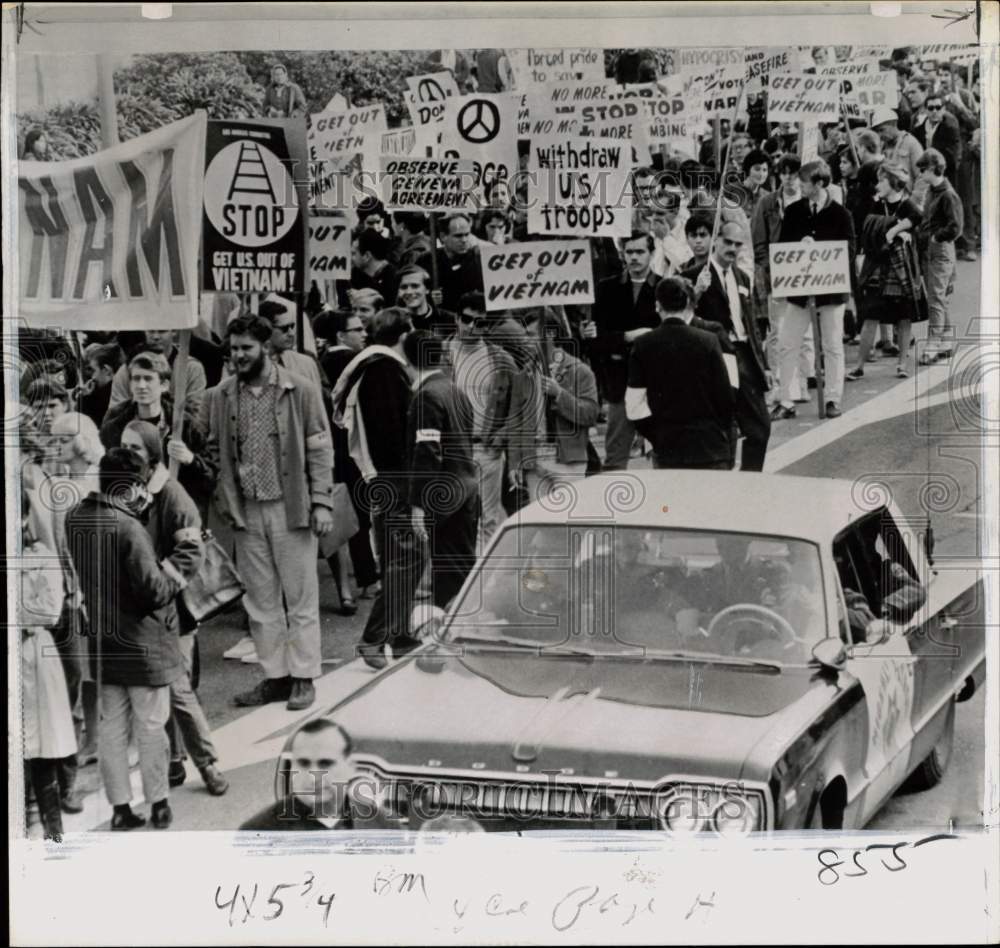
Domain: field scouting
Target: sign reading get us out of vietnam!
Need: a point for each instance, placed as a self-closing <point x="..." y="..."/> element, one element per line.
<point x="536" y="273"/>
<point x="254" y="239"/>
<point x="806" y="268"/>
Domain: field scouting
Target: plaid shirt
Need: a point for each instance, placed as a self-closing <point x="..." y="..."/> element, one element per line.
<point x="259" y="458"/>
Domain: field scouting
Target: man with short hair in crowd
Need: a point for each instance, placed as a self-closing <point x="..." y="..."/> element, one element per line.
<point x="413" y="241"/>
<point x="937" y="232"/>
<point x="483" y="373"/>
<point x="370" y="267"/>
<point x="269" y="438"/>
<point x="765" y="229"/>
<point x="366" y="303"/>
<point x="371" y="400"/>
<point x="934" y="127"/>
<point x="163" y="341"/>
<point x="698" y="231"/>
<point x="443" y="485"/>
<point x="624" y="309"/>
<point x="136" y="655"/>
<point x="103" y="361"/>
<point x="670" y="249"/>
<point x="282" y="346"/>
<point x="679" y="394"/>
<point x="48" y="399"/>
<point x="414" y="295"/>
<point x="458" y="267"/>
<point x="722" y="295"/>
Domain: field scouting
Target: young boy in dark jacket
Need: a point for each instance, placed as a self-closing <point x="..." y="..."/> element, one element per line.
<point x="941" y="226"/>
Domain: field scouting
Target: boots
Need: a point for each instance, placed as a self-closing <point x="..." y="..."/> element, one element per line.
<point x="45" y="780"/>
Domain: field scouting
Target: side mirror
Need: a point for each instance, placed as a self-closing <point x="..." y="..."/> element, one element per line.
<point x="929" y="544"/>
<point x="830" y="653"/>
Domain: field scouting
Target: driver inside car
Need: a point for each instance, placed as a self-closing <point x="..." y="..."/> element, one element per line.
<point x="736" y="578"/>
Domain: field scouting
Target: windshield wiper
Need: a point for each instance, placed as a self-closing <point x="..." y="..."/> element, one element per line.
<point x="497" y="640"/>
<point x="710" y="658"/>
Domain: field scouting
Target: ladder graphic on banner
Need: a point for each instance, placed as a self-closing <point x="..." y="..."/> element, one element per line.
<point x="255" y="180"/>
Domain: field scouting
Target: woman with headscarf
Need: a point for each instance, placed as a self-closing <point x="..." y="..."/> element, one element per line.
<point x="36" y="146"/>
<point x="174" y="525"/>
<point x="891" y="288"/>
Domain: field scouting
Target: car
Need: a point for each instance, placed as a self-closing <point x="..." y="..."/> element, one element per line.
<point x="683" y="651"/>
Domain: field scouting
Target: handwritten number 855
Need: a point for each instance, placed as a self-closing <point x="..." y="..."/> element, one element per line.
<point x="828" y="875"/>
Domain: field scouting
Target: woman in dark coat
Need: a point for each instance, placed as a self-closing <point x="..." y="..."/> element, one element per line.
<point x="891" y="290"/>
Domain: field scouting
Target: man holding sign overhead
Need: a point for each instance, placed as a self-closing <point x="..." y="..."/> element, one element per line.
<point x="815" y="218"/>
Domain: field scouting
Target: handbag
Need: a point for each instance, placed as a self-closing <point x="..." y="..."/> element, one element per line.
<point x="345" y="522"/>
<point x="217" y="584"/>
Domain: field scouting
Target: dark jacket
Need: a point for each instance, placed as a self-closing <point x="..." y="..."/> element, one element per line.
<point x="833" y="222"/>
<point x="765" y="229"/>
<point x="713" y="306"/>
<point x="385" y="282"/>
<point x="174" y="525"/>
<point x="947" y="139"/>
<point x="943" y="217"/>
<point x="197" y="478"/>
<point x="680" y="372"/>
<point x="133" y="614"/>
<point x="333" y="362"/>
<point x="456" y="277"/>
<point x="498" y="411"/>
<point x="439" y="321"/>
<point x="443" y="475"/>
<point x="615" y="313"/>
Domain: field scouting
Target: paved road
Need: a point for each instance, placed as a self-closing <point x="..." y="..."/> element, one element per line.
<point x="900" y="435"/>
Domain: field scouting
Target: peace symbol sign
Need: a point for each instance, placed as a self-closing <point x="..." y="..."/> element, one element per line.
<point x="429" y="90"/>
<point x="479" y="121"/>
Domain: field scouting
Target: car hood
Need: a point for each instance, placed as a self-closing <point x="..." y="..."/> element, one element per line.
<point x="589" y="717"/>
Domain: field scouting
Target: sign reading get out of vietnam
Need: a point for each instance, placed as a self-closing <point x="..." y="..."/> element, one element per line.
<point x="806" y="268"/>
<point x="536" y="273"/>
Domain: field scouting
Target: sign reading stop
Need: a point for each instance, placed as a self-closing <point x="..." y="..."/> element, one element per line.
<point x="249" y="196"/>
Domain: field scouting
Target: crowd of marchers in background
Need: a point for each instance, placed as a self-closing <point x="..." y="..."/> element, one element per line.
<point x="401" y="404"/>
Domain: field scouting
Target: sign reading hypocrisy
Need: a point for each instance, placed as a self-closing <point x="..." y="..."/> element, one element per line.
<point x="112" y="239"/>
<point x="543" y="272"/>
<point x="804" y="269"/>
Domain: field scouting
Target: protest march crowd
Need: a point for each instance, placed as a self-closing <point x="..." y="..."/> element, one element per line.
<point x="457" y="366"/>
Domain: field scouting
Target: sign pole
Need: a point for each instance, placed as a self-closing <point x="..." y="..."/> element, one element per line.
<point x="850" y="136"/>
<point x="818" y="349"/>
<point x="432" y="218"/>
<point x="180" y="375"/>
<point x="725" y="166"/>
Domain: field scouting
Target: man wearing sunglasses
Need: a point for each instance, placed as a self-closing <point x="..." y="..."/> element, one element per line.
<point x="483" y="373"/>
<point x="283" y="338"/>
<point x="934" y="127"/>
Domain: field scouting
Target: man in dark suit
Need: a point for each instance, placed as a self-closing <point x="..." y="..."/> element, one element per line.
<point x="934" y="127"/>
<point x="723" y="296"/>
<point x="459" y="269"/>
<point x="624" y="309"/>
<point x="679" y="395"/>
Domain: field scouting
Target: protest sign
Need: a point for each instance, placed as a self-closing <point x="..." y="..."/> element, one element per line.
<point x="954" y="52"/>
<point x="856" y="67"/>
<point x="580" y="93"/>
<point x="336" y="137"/>
<point x="579" y="186"/>
<point x="483" y="129"/>
<point x="760" y="61"/>
<point x="803" y="269"/>
<point x="538" y="67"/>
<point x="425" y="184"/>
<point x="626" y="121"/>
<point x="111" y="240"/>
<point x="861" y="94"/>
<point x="809" y="143"/>
<point x="329" y="245"/>
<point x="536" y="273"/>
<point x="800" y="97"/>
<point x="871" y="52"/>
<point x="427" y="95"/>
<point x="705" y="60"/>
<point x="399" y="141"/>
<point x="722" y="90"/>
<point x="254" y="238"/>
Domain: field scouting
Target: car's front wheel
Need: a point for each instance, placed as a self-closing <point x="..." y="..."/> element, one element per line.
<point x="932" y="769"/>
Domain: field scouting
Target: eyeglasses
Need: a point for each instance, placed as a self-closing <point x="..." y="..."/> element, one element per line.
<point x="473" y="318"/>
<point x="934" y="108"/>
<point x="286" y="327"/>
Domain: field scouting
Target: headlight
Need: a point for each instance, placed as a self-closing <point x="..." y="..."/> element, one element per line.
<point x="695" y="809"/>
<point x="735" y="815"/>
<point x="684" y="812"/>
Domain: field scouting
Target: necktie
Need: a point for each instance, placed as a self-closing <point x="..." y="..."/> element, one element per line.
<point x="733" y="292"/>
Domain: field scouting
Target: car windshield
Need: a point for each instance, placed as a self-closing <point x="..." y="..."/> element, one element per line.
<point x="645" y="593"/>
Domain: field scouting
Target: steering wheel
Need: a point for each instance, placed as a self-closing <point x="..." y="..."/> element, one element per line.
<point x="758" y="615"/>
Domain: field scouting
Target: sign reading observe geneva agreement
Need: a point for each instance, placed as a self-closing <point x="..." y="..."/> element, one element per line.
<point x="253" y="235"/>
<point x="804" y="269"/>
<point x="549" y="272"/>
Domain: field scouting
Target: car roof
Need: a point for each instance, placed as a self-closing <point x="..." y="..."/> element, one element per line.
<point x="809" y="508"/>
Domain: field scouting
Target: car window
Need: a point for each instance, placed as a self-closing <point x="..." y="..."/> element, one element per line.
<point x="625" y="589"/>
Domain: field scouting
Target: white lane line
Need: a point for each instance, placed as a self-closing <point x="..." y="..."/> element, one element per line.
<point x="906" y="396"/>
